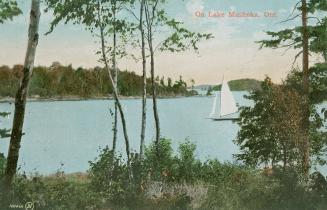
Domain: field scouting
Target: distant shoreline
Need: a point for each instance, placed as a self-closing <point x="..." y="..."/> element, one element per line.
<point x="54" y="99"/>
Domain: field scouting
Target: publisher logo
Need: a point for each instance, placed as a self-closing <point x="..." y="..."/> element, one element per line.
<point x="29" y="206"/>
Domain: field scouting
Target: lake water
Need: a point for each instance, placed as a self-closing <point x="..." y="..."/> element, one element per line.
<point x="71" y="132"/>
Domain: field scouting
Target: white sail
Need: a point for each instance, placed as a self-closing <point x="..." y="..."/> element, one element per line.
<point x="227" y="101"/>
<point x="214" y="107"/>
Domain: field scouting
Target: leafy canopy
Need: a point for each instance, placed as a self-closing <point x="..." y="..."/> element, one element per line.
<point x="271" y="129"/>
<point x="174" y="36"/>
<point x="8" y="10"/>
<point x="292" y="37"/>
<point x="4" y="133"/>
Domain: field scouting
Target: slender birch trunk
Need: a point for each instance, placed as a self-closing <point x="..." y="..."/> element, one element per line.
<point x="143" y="126"/>
<point x="154" y="93"/>
<point x="115" y="70"/>
<point x="115" y="92"/>
<point x="306" y="83"/>
<point x="21" y="95"/>
<point x="149" y="20"/>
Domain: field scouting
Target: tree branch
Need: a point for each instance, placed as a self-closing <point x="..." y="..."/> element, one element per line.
<point x="289" y="19"/>
<point x="296" y="57"/>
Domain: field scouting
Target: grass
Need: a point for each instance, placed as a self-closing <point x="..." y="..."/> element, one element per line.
<point x="176" y="182"/>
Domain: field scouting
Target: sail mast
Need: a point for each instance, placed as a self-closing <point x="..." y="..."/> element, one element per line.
<point x="220" y="98"/>
<point x="228" y="105"/>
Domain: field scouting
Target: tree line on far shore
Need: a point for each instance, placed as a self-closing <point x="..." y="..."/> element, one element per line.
<point x="58" y="81"/>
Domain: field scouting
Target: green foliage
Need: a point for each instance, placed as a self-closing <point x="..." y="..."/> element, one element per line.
<point x="317" y="95"/>
<point x="256" y="137"/>
<point x="209" y="91"/>
<point x="106" y="15"/>
<point x="314" y="5"/>
<point x="188" y="166"/>
<point x="241" y="85"/>
<point x="239" y="190"/>
<point x="292" y="37"/>
<point x="109" y="177"/>
<point x="180" y="179"/>
<point x="181" y="39"/>
<point x="8" y="10"/>
<point x="160" y="163"/>
<point x="217" y="173"/>
<point x="251" y="190"/>
<point x="54" y="193"/>
<point x="2" y="165"/>
<point x="4" y="133"/>
<point x="86" y="12"/>
<point x="60" y="81"/>
<point x="9" y="80"/>
<point x="4" y="114"/>
<point x="177" y="38"/>
<point x="318" y="82"/>
<point x="281" y="39"/>
<point x="271" y="129"/>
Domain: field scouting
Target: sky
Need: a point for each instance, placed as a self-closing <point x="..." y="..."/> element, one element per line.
<point x="233" y="52"/>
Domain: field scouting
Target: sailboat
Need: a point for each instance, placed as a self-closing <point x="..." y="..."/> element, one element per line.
<point x="227" y="104"/>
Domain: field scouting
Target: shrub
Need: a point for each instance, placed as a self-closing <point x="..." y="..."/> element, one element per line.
<point x="176" y="182"/>
<point x="189" y="167"/>
<point x="2" y="165"/>
<point x="162" y="166"/>
<point x="110" y="179"/>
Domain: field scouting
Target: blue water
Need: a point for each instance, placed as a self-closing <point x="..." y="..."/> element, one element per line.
<point x="71" y="132"/>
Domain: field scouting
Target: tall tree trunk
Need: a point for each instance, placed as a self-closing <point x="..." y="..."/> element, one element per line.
<point x="154" y="91"/>
<point x="149" y="20"/>
<point x="115" y="92"/>
<point x="306" y="111"/>
<point x="143" y="126"/>
<point x="20" y="101"/>
<point x="115" y="70"/>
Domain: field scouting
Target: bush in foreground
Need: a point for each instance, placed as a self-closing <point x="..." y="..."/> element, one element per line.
<point x="171" y="181"/>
